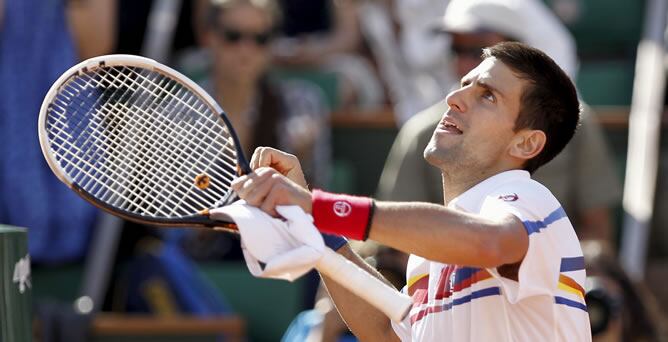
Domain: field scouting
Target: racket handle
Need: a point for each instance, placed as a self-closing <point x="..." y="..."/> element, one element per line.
<point x="391" y="302"/>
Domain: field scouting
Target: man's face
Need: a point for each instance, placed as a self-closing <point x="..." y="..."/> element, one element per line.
<point x="467" y="49"/>
<point x="475" y="132"/>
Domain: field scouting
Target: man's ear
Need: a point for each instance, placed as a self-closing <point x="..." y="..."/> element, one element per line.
<point x="527" y="144"/>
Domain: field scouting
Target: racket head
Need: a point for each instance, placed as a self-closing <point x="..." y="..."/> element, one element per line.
<point x="140" y="140"/>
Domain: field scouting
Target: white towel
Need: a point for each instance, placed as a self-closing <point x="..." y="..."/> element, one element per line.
<point x="288" y="248"/>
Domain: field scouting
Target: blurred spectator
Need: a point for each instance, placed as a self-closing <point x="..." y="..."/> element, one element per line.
<point x="38" y="41"/>
<point x="325" y="35"/>
<point x="234" y="68"/>
<point x="93" y="26"/>
<point x="265" y="112"/>
<point x="314" y="30"/>
<point x="409" y="56"/>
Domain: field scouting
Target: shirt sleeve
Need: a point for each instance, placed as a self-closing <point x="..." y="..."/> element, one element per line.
<point x="542" y="218"/>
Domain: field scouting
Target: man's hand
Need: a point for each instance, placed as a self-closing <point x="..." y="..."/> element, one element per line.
<point x="266" y="188"/>
<point x="285" y="163"/>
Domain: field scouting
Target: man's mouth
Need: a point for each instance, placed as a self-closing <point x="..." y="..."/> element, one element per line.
<point x="450" y="127"/>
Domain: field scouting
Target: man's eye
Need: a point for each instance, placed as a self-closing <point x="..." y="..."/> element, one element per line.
<point x="487" y="95"/>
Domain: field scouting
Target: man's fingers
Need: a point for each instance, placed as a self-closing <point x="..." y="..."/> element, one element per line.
<point x="246" y="185"/>
<point x="239" y="182"/>
<point x="285" y="163"/>
<point x="256" y="159"/>
<point x="271" y="157"/>
<point x="256" y="192"/>
<point x="270" y="201"/>
<point x="265" y="188"/>
<point x="267" y="157"/>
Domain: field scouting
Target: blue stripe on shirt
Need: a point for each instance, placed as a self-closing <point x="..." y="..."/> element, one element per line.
<point x="572" y="264"/>
<point x="571" y="303"/>
<point x="490" y="291"/>
<point x="464" y="273"/>
<point x="536" y="226"/>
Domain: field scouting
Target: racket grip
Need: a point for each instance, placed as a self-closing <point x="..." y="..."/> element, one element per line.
<point x="391" y="302"/>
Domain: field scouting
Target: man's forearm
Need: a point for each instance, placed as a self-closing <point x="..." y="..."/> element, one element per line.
<point x="440" y="234"/>
<point x="364" y="320"/>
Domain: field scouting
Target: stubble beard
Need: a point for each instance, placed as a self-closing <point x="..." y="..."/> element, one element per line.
<point x="459" y="168"/>
<point x="452" y="160"/>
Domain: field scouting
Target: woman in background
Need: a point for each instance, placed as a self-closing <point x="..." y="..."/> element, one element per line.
<point x="233" y="65"/>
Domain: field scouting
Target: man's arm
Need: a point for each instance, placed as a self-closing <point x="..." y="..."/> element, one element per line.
<point x="428" y="230"/>
<point x="444" y="235"/>
<point x="424" y="229"/>
<point x="363" y="319"/>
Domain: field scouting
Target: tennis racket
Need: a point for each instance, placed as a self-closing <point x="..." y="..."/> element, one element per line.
<point x="145" y="143"/>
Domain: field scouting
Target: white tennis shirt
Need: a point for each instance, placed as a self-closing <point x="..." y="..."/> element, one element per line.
<point x="459" y="303"/>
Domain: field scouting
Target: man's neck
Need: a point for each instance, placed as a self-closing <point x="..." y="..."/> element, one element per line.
<point x="457" y="183"/>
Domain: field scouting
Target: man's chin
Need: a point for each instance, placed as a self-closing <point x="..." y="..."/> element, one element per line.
<point x="433" y="157"/>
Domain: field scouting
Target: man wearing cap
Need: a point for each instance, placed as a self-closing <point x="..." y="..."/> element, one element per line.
<point x="582" y="177"/>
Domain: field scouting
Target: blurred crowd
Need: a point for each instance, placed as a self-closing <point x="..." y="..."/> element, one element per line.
<point x="284" y="71"/>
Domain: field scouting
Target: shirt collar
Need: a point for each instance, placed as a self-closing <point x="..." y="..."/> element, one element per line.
<point x="472" y="198"/>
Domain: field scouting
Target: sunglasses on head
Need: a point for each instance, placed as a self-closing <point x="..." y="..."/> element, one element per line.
<point x="235" y="36"/>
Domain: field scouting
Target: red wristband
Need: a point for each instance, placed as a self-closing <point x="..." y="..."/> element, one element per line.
<point x="343" y="215"/>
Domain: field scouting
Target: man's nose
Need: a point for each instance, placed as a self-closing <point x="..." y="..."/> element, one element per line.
<point x="457" y="99"/>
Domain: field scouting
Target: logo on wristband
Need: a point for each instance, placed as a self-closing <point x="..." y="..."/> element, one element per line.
<point x="342" y="208"/>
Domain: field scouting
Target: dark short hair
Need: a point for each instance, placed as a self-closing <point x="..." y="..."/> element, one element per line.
<point x="549" y="103"/>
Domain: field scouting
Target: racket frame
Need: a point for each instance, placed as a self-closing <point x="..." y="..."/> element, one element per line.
<point x="200" y="219"/>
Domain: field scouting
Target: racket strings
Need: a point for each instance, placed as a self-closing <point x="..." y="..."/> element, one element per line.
<point x="114" y="191"/>
<point x="92" y="176"/>
<point x="170" y="129"/>
<point x="155" y="129"/>
<point x="168" y="156"/>
<point x="77" y="110"/>
<point x="231" y="157"/>
<point x="200" y="141"/>
<point x="209" y="118"/>
<point x="113" y="188"/>
<point x="158" y="128"/>
<point x="107" y="147"/>
<point x="125" y="164"/>
<point x="148" y="154"/>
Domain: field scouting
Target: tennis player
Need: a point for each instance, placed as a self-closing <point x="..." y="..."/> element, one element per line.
<point x="499" y="261"/>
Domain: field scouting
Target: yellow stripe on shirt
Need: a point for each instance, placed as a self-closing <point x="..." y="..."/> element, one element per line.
<point x="569" y="285"/>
